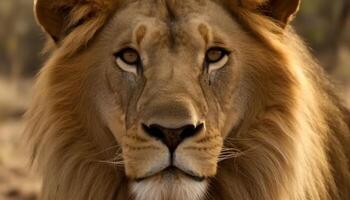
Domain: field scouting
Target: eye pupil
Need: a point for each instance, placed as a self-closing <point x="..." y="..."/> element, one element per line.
<point x="129" y="56"/>
<point x="215" y="54"/>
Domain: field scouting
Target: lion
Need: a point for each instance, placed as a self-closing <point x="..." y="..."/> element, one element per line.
<point x="184" y="100"/>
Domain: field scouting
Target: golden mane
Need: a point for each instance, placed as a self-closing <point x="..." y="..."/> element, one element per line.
<point x="302" y="134"/>
<point x="306" y="118"/>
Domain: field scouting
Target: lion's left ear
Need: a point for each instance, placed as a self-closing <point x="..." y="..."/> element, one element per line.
<point x="282" y="11"/>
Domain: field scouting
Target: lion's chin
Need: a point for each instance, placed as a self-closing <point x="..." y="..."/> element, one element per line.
<point x="170" y="173"/>
<point x="169" y="184"/>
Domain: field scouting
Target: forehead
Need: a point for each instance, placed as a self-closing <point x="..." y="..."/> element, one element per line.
<point x="165" y="11"/>
<point x="173" y="19"/>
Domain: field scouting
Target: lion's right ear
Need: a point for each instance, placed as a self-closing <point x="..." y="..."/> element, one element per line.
<point x="60" y="17"/>
<point x="281" y="10"/>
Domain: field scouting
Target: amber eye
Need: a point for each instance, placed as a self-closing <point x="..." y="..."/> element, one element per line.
<point x="129" y="56"/>
<point x="216" y="58"/>
<point x="128" y="60"/>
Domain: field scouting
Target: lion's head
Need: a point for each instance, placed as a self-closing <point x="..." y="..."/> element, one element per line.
<point x="173" y="99"/>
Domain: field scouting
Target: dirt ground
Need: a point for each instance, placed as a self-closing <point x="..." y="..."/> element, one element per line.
<point x="16" y="180"/>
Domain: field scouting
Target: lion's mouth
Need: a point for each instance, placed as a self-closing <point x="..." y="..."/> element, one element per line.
<point x="172" y="172"/>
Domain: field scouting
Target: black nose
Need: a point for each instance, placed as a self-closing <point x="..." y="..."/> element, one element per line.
<point x="172" y="137"/>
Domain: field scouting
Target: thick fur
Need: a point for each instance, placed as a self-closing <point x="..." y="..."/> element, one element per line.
<point x="292" y="134"/>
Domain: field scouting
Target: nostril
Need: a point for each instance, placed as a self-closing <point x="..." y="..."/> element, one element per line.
<point x="172" y="137"/>
<point x="190" y="131"/>
<point x="153" y="131"/>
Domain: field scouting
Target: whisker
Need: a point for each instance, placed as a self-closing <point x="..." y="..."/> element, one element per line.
<point x="231" y="152"/>
<point x="108" y="149"/>
<point x="115" y="163"/>
<point x="238" y="139"/>
<point x="117" y="160"/>
<point x="229" y="149"/>
<point x="233" y="155"/>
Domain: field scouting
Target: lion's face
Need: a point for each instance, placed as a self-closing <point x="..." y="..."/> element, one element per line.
<point x="170" y="89"/>
<point x="169" y="81"/>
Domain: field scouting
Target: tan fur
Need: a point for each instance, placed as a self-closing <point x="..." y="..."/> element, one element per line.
<point x="274" y="127"/>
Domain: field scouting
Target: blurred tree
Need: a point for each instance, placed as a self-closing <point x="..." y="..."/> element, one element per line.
<point x="323" y="24"/>
<point x="20" y="39"/>
<point x="336" y="36"/>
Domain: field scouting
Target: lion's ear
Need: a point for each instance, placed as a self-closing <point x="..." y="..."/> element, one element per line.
<point x="51" y="15"/>
<point x="60" y="17"/>
<point x="281" y="10"/>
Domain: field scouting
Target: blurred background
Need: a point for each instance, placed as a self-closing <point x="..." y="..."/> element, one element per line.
<point x="324" y="24"/>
